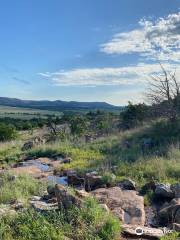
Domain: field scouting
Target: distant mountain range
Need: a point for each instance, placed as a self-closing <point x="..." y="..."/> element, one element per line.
<point x="57" y="105"/>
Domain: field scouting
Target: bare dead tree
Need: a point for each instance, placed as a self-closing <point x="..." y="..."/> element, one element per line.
<point x="164" y="89"/>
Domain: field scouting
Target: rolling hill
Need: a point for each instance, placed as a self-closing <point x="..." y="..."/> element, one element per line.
<point x="57" y="105"/>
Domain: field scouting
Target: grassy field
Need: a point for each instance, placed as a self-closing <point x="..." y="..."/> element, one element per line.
<point x="112" y="159"/>
<point x="25" y="113"/>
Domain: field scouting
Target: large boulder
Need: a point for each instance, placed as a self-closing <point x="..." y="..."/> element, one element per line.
<point x="73" y="179"/>
<point x="170" y="213"/>
<point x="126" y="205"/>
<point x="127" y="184"/>
<point x="176" y="227"/>
<point x="27" y="146"/>
<point x="142" y="232"/>
<point x="176" y="190"/>
<point x="164" y="191"/>
<point x="42" y="205"/>
<point x="93" y="181"/>
<point x="67" y="198"/>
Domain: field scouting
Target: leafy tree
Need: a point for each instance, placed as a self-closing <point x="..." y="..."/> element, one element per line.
<point x="78" y="125"/>
<point x="7" y="132"/>
<point x="133" y="115"/>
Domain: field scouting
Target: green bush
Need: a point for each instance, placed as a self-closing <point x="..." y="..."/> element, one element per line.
<point x="7" y="132"/>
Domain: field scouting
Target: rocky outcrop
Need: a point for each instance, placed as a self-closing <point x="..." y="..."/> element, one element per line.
<point x="67" y="198"/>
<point x="126" y="205"/>
<point x="93" y="181"/>
<point x="164" y="191"/>
<point x="40" y="204"/>
<point x="73" y="178"/>
<point x="176" y="227"/>
<point x="170" y="212"/>
<point x="176" y="190"/>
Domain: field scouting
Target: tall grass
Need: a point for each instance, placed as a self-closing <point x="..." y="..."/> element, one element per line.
<point x="10" y="151"/>
<point x="21" y="188"/>
<point x="87" y="223"/>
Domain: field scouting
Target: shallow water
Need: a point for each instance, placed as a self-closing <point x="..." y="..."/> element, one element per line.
<point x="58" y="180"/>
<point x="46" y="168"/>
<point x="42" y="166"/>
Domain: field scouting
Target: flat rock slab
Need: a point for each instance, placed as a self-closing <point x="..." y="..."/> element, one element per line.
<point x="43" y="206"/>
<point x="44" y="160"/>
<point x="126" y="205"/>
<point x="142" y="232"/>
<point x="32" y="170"/>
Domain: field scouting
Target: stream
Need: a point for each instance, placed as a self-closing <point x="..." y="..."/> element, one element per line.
<point x="44" y="168"/>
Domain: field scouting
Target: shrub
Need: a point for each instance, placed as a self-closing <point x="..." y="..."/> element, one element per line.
<point x="7" y="132"/>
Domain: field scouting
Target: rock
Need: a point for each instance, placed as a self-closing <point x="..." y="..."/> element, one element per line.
<point x="43" y="206"/>
<point x="92" y="181"/>
<point x="43" y="203"/>
<point x="6" y="210"/>
<point x="68" y="172"/>
<point x="74" y="180"/>
<point x="66" y="198"/>
<point x="164" y="191"/>
<point x="150" y="186"/>
<point x="127" y="184"/>
<point x="27" y="146"/>
<point x="52" y="200"/>
<point x="44" y="160"/>
<point x="105" y="207"/>
<point x="51" y="190"/>
<point x="119" y="213"/>
<point x="176" y="227"/>
<point x="66" y="160"/>
<point x="18" y="206"/>
<point x="170" y="213"/>
<point x="34" y="198"/>
<point x="176" y="190"/>
<point x="127" y="205"/>
<point x="81" y="193"/>
<point x="142" y="232"/>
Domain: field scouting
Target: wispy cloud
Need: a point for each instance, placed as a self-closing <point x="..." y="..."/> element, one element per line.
<point x="158" y="39"/>
<point x="151" y="40"/>
<point x="131" y="75"/>
<point x="17" y="79"/>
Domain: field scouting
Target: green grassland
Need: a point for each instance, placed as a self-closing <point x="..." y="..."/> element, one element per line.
<point x="25" y="113"/>
<point x="161" y="163"/>
<point x="107" y="155"/>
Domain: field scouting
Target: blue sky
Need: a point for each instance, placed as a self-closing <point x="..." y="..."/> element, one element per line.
<point x="86" y="50"/>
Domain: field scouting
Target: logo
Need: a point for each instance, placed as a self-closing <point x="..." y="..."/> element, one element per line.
<point x="139" y="231"/>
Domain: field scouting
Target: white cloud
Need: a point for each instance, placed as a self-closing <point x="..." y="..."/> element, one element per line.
<point x="153" y="40"/>
<point x="131" y="75"/>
